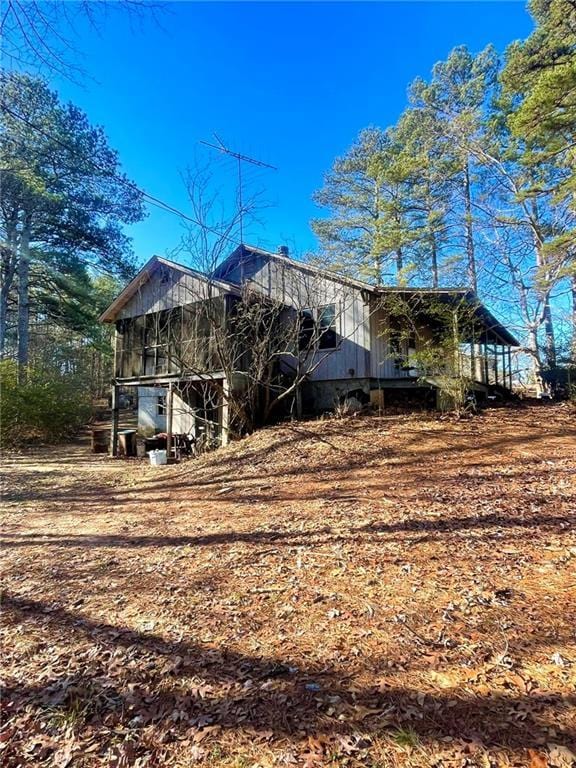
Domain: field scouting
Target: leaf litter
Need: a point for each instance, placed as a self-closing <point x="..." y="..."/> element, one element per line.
<point x="371" y="591"/>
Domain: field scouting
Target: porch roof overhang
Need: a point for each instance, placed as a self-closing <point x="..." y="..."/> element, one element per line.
<point x="481" y="317"/>
<point x="154" y="380"/>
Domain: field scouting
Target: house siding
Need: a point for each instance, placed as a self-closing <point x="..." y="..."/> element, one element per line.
<point x="300" y="289"/>
<point x="149" y="420"/>
<point x="382" y="364"/>
<point x="179" y="289"/>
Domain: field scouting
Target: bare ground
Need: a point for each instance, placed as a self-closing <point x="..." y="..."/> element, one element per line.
<point x="384" y="591"/>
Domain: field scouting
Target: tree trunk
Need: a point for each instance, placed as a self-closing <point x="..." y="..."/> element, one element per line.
<point x="378" y="269"/>
<point x="432" y="236"/>
<point x="434" y="259"/>
<point x="470" y="255"/>
<point x="550" y="340"/>
<point x="545" y="281"/>
<point x="536" y="361"/>
<point x="4" y="293"/>
<point x="24" y="301"/>
<point x="573" y="355"/>
<point x="9" y="264"/>
<point x="399" y="264"/>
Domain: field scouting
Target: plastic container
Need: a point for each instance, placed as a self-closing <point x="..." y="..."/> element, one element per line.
<point x="158" y="457"/>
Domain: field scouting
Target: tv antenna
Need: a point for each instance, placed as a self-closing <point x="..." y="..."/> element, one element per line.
<point x="221" y="147"/>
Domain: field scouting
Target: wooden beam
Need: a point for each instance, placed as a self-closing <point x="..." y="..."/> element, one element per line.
<point x="115" y="421"/>
<point x="152" y="380"/>
<point x="486" y="371"/>
<point x="473" y="356"/>
<point x="169" y="413"/>
<point x="495" y="353"/>
<point x="225" y="413"/>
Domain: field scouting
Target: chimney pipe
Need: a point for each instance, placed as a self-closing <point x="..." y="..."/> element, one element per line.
<point x="283" y="250"/>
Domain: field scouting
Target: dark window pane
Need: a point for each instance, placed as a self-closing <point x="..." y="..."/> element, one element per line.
<point x="328" y="339"/>
<point x="150" y="361"/>
<point x="150" y="332"/>
<point x="327" y="326"/>
<point x="306" y="329"/>
<point x="327" y="316"/>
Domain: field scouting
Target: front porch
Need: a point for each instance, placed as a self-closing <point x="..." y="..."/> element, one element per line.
<point x="421" y="335"/>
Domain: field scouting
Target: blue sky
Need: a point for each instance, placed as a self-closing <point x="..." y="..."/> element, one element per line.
<point x="289" y="83"/>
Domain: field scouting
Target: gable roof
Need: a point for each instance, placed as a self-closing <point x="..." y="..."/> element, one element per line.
<point x="145" y="274"/>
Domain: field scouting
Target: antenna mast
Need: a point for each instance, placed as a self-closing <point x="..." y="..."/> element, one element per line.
<point x="221" y="147"/>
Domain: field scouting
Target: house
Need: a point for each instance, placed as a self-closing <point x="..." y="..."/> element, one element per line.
<point x="191" y="342"/>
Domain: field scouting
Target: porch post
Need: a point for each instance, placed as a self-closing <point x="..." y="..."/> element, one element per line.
<point x="486" y="371"/>
<point x="169" y="411"/>
<point x="225" y="416"/>
<point x="455" y="341"/>
<point x="495" y="353"/>
<point x="473" y="356"/>
<point x="510" y="366"/>
<point x="115" y="421"/>
<point x="114" y="400"/>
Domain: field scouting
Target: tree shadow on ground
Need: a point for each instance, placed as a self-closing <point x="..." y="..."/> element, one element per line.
<point x="313" y="482"/>
<point x="435" y="527"/>
<point x="237" y="691"/>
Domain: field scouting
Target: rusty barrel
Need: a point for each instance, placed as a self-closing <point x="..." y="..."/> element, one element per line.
<point x="127" y="442"/>
<point x="100" y="440"/>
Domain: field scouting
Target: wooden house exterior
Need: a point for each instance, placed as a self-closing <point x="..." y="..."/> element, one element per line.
<point x="165" y="346"/>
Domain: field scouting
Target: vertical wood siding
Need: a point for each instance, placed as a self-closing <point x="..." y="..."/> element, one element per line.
<point x="382" y="364"/>
<point x="178" y="290"/>
<point x="301" y="289"/>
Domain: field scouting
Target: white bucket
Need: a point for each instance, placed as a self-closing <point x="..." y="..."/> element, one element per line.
<point x="158" y="457"/>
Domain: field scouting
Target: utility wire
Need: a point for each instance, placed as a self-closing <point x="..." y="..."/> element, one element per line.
<point x="150" y="199"/>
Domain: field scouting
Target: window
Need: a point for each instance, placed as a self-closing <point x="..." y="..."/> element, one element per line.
<point x="306" y="329"/>
<point x="318" y="328"/>
<point x="327" y="326"/>
<point x="402" y="350"/>
<point x="161" y="405"/>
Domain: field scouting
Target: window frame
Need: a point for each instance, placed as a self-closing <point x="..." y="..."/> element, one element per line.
<point x="326" y="330"/>
<point x="314" y="331"/>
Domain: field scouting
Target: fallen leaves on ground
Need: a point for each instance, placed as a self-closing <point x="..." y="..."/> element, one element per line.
<point x="372" y="591"/>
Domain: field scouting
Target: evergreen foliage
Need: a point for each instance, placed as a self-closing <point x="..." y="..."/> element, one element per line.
<point x="64" y="203"/>
<point x="474" y="185"/>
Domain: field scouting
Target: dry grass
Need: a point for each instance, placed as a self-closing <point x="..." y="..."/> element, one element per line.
<point x="395" y="591"/>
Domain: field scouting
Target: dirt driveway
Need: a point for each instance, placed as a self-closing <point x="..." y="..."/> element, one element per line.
<point x="377" y="591"/>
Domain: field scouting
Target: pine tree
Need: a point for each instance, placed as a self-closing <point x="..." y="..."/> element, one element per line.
<point x="456" y="100"/>
<point x="367" y="196"/>
<point x="62" y="194"/>
<point x="430" y="164"/>
<point x="351" y="196"/>
<point x="540" y="79"/>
